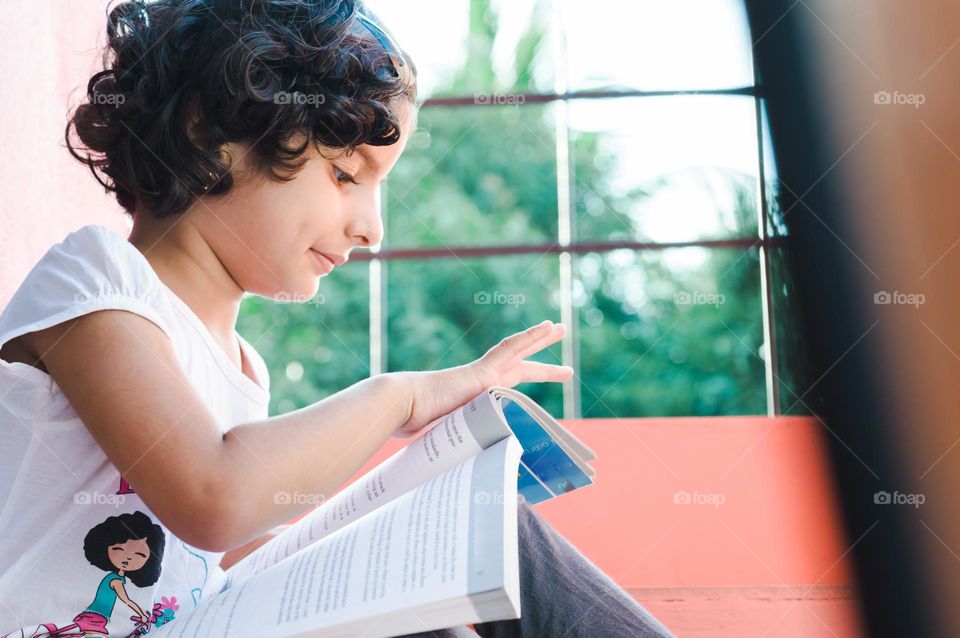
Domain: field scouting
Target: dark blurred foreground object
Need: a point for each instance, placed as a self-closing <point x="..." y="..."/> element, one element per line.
<point x="863" y="106"/>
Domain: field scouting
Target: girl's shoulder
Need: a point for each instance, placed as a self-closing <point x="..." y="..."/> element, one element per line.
<point x="92" y="268"/>
<point x="99" y="253"/>
<point x="92" y="256"/>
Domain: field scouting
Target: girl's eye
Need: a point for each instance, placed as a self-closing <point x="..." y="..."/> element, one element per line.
<point x="343" y="178"/>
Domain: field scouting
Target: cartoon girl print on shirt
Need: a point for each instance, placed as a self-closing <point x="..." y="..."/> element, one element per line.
<point x="127" y="546"/>
<point x="196" y="592"/>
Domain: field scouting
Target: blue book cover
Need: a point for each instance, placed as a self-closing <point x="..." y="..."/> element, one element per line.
<point x="546" y="469"/>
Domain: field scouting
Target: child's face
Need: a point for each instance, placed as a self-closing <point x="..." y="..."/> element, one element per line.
<point x="263" y="231"/>
<point x="129" y="556"/>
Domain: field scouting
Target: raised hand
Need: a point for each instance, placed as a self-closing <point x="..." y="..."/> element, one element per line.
<point x="434" y="394"/>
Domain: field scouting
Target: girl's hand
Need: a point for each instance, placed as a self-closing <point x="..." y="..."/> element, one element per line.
<point x="434" y="394"/>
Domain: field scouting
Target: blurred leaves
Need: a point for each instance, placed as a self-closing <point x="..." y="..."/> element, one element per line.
<point x="487" y="175"/>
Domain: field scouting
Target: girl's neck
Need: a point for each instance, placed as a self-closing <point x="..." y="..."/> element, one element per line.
<point x="186" y="264"/>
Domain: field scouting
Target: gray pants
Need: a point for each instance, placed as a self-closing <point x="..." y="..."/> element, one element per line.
<point x="562" y="594"/>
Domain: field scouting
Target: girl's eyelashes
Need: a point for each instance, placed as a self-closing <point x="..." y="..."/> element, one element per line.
<point x="342" y="177"/>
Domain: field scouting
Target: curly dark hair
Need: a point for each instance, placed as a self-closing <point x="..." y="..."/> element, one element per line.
<point x="120" y="529"/>
<point x="183" y="77"/>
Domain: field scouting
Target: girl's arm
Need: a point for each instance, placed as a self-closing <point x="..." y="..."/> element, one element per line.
<point x="219" y="491"/>
<point x="122" y="595"/>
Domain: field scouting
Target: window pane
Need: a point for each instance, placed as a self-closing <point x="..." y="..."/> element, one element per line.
<point x="316" y="348"/>
<point x="475" y="175"/>
<point x="462" y="48"/>
<point x="670" y="333"/>
<point x="447" y="312"/>
<point x="657" y="44"/>
<point x="664" y="169"/>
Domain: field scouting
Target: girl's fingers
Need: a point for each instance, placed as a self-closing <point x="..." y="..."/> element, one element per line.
<point x="553" y="335"/>
<point x="523" y="344"/>
<point x="536" y="372"/>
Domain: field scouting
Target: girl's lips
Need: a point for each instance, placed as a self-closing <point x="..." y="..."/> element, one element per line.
<point x="326" y="264"/>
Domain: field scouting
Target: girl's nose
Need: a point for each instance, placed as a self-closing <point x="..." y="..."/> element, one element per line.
<point x="366" y="233"/>
<point x="366" y="227"/>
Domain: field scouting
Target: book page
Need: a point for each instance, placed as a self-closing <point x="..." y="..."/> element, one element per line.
<point x="436" y="548"/>
<point x="450" y="440"/>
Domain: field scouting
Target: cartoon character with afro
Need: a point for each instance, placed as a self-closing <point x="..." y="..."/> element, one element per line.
<point x="125" y="546"/>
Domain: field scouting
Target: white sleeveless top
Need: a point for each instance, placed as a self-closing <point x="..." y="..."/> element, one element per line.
<point x="62" y="502"/>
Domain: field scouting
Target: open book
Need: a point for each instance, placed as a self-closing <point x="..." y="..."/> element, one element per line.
<point x="425" y="540"/>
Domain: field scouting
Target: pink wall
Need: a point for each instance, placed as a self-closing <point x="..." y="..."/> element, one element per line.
<point x="47" y="53"/>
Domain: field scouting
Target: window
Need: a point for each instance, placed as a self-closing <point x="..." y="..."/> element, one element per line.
<point x="604" y="164"/>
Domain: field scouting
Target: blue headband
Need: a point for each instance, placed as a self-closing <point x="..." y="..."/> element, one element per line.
<point x="385" y="40"/>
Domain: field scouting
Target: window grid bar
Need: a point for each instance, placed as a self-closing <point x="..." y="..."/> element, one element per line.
<point x="771" y="363"/>
<point x="579" y="248"/>
<point x="378" y="298"/>
<point x="566" y="96"/>
<point x="570" y="344"/>
<point x="770" y="360"/>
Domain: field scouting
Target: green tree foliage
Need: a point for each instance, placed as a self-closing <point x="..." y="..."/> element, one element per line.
<point x="658" y="335"/>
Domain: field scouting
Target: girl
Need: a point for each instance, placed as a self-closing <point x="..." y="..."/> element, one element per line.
<point x="247" y="139"/>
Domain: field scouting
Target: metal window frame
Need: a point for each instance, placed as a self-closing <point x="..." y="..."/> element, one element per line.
<point x="567" y="246"/>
